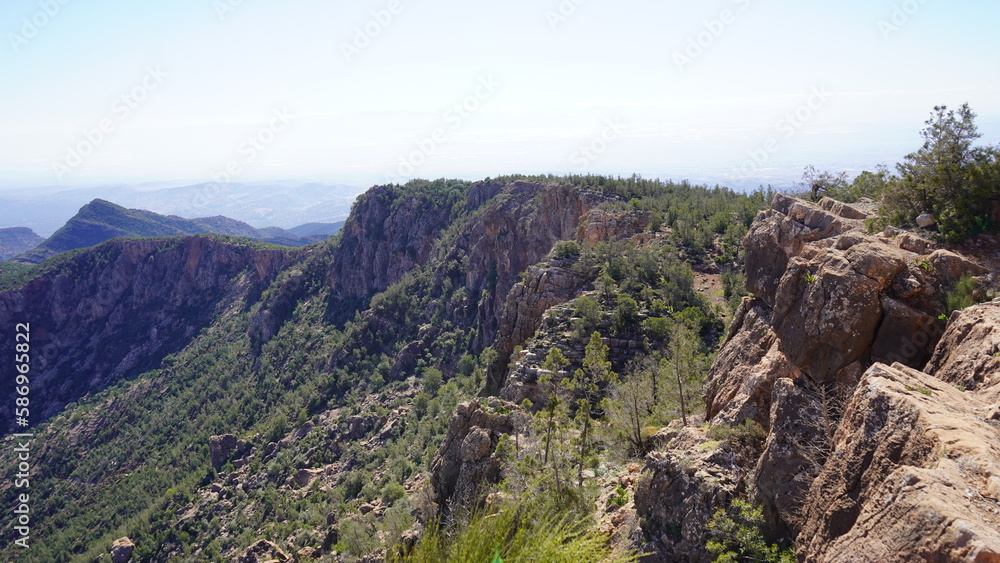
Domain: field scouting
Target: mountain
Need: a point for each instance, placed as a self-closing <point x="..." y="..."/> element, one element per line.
<point x="281" y="204"/>
<point x="102" y="220"/>
<point x="15" y="240"/>
<point x="317" y="229"/>
<point x="536" y="368"/>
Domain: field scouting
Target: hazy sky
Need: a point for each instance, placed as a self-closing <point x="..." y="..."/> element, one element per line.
<point x="731" y="91"/>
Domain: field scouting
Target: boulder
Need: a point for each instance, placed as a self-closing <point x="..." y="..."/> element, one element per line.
<point x="121" y="550"/>
<point x="220" y="448"/>
<point x="925" y="220"/>
<point x="263" y="551"/>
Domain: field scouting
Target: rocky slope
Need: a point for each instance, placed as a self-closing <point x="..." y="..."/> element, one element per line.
<point x="119" y="308"/>
<point x="854" y="448"/>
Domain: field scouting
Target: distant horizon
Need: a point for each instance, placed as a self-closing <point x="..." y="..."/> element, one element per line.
<point x="735" y="92"/>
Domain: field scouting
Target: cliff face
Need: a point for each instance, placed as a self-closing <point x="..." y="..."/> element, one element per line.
<point x="118" y="309"/>
<point x="808" y="359"/>
<point x="388" y="234"/>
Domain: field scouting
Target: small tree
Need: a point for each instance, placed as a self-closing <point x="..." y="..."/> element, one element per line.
<point x="630" y="405"/>
<point x="587" y="382"/>
<point x="947" y="177"/>
<point x="819" y="183"/>
<point x="682" y="360"/>
<point x="553" y="413"/>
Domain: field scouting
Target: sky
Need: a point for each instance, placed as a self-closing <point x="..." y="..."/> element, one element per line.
<point x="735" y="92"/>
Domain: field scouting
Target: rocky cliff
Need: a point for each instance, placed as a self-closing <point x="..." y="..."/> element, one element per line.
<point x="861" y="461"/>
<point x="117" y="309"/>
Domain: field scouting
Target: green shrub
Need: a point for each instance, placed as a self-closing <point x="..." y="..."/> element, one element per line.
<point x="566" y="249"/>
<point x="961" y="294"/>
<point x="392" y="492"/>
<point x="736" y="536"/>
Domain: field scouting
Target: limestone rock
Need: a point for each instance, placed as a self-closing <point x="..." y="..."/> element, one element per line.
<point x="121" y="550"/>
<point x="925" y="220"/>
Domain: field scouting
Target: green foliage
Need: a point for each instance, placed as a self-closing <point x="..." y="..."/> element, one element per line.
<point x="961" y="294"/>
<point x="736" y="536"/>
<point x="588" y="314"/>
<point x="947" y="177"/>
<point x="516" y="532"/>
<point x="392" y="492"/>
<point x="747" y="436"/>
<point x="433" y="378"/>
<point x="626" y="312"/>
<point x="820" y="184"/>
<point x="566" y="249"/>
<point x="733" y="287"/>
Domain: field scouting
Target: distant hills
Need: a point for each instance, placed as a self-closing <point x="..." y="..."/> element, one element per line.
<point x="285" y="205"/>
<point x="16" y="240"/>
<point x="101" y="220"/>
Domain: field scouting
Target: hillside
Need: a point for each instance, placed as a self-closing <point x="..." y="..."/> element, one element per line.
<point x="15" y="240"/>
<point x="336" y="381"/>
<point x="101" y="220"/>
<point x="530" y="365"/>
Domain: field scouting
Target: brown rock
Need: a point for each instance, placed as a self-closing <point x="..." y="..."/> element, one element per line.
<point x="892" y="489"/>
<point x="906" y="335"/>
<point x="951" y="266"/>
<point x="969" y="351"/>
<point x="219" y="449"/>
<point x="465" y="462"/>
<point x="802" y="427"/>
<point x="679" y="492"/>
<point x="121" y="550"/>
<point x="841" y="209"/>
<point x="826" y="313"/>
<point x="476" y="445"/>
<point x="263" y="551"/>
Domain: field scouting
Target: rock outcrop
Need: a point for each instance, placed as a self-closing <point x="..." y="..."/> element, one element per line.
<point x="466" y="460"/>
<point x="908" y="478"/>
<point x="853" y="465"/>
<point x="679" y="493"/>
<point x="121" y="550"/>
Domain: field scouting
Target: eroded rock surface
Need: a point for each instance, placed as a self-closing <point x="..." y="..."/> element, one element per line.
<point x="878" y="464"/>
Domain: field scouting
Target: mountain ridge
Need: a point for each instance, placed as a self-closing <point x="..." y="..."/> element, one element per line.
<point x="102" y="220"/>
